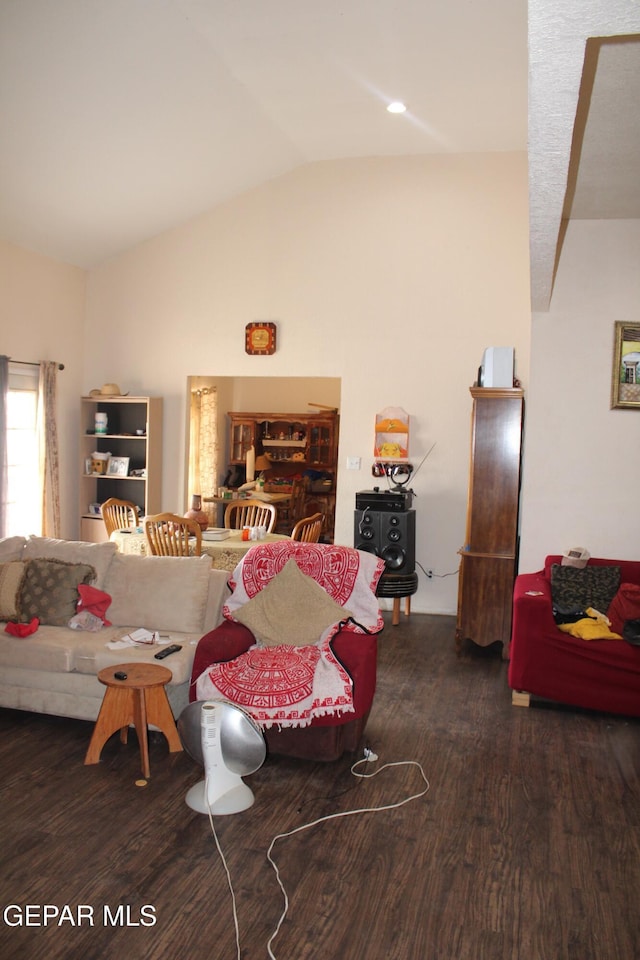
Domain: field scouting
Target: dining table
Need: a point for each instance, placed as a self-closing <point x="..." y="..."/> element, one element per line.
<point x="225" y="554"/>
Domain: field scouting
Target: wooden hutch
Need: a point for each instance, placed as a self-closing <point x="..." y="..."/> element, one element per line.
<point x="295" y="445"/>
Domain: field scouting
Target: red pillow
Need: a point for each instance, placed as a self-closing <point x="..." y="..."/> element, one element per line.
<point x="93" y="601"/>
<point x="624" y="606"/>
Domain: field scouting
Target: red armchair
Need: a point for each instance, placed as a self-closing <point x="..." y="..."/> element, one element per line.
<point x="327" y="736"/>
<point x="547" y="663"/>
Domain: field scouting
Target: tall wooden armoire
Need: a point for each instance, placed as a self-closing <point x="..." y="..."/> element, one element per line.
<point x="489" y="555"/>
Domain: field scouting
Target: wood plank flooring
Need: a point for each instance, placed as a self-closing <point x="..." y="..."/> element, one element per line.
<point x="527" y="846"/>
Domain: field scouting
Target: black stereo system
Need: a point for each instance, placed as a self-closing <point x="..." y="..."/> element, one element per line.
<point x="377" y="499"/>
<point x="384" y="525"/>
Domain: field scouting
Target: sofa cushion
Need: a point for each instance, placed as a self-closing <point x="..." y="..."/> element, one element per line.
<point x="573" y="589"/>
<point x="12" y="548"/>
<point x="49" y="590"/>
<point x="159" y="593"/>
<point x="99" y="555"/>
<point x="11" y="577"/>
<point x="48" y="649"/>
<point x="292" y="610"/>
<point x="624" y="606"/>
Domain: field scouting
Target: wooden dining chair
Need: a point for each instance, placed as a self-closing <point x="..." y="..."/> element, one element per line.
<point x="169" y="535"/>
<point x="293" y="509"/>
<point x="119" y="515"/>
<point x="308" y="529"/>
<point x="250" y="513"/>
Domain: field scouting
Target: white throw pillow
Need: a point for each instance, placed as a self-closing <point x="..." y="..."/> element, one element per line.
<point x="159" y="593"/>
<point x="12" y="548"/>
<point x="97" y="555"/>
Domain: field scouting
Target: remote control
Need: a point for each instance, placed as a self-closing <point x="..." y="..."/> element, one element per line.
<point x="172" y="648"/>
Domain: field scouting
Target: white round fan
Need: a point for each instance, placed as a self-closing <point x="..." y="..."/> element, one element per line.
<point x="230" y="745"/>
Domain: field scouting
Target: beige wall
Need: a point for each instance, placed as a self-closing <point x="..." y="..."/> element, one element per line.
<point x="582" y="459"/>
<point x="42" y="311"/>
<point x="392" y="275"/>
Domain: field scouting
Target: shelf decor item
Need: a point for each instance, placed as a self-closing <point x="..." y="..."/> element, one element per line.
<point x="99" y="463"/>
<point x="197" y="513"/>
<point x="101" y="422"/>
<point x="392" y="434"/>
<point x="118" y="467"/>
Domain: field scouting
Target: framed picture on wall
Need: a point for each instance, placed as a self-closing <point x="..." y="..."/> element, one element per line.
<point x="118" y="467"/>
<point x="625" y="379"/>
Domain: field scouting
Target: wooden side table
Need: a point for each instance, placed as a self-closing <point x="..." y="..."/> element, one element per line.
<point x="141" y="699"/>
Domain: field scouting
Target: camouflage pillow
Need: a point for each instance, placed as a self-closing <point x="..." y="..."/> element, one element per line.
<point x="574" y="589"/>
<point x="49" y="590"/>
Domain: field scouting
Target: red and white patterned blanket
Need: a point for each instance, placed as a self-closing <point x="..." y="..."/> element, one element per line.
<point x="288" y="685"/>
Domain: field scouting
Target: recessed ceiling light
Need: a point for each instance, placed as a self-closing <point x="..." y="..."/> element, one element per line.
<point x="396" y="107"/>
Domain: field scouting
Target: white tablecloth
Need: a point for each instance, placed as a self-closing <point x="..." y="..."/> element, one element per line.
<point x="225" y="554"/>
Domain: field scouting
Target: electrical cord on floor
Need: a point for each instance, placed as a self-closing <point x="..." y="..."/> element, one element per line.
<point x="369" y="757"/>
<point x="226" y="870"/>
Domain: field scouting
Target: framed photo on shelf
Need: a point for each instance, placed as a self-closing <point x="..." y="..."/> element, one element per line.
<point x="118" y="467"/>
<point x="88" y="466"/>
<point x="625" y="379"/>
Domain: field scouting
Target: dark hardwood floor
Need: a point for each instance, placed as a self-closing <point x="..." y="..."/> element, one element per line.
<point x="527" y="846"/>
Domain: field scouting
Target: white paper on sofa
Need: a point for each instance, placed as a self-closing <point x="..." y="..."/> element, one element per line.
<point x="137" y="638"/>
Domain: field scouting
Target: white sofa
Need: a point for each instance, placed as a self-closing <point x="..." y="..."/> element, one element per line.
<point x="54" y="670"/>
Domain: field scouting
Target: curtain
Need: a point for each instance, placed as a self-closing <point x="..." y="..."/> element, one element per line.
<point x="4" y="389"/>
<point x="48" y="448"/>
<point x="203" y="447"/>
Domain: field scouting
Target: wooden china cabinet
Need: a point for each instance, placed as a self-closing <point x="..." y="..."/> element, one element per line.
<point x="295" y="444"/>
<point x="489" y="556"/>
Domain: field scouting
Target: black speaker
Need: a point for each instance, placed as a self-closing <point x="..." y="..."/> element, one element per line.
<point x="391" y="536"/>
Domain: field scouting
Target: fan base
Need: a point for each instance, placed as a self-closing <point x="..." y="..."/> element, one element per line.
<point x="236" y="800"/>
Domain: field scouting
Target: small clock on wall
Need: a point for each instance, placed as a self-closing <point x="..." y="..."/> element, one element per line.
<point x="260" y="338"/>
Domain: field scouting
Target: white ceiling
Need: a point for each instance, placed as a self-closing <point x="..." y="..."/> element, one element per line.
<point x="122" y="118"/>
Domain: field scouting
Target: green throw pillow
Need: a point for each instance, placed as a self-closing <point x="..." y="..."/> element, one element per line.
<point x="49" y="590"/>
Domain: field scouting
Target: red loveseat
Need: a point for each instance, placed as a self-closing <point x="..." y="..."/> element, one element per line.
<point x="547" y="663"/>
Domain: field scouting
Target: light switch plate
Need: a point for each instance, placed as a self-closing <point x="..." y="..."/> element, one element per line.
<point x="353" y="463"/>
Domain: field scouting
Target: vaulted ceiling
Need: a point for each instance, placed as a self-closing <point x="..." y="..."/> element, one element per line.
<point x="122" y="118"/>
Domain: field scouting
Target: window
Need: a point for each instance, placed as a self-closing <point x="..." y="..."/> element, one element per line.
<point x="23" y="487"/>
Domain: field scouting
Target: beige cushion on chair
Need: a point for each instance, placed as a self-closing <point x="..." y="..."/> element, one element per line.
<point x="292" y="609"/>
